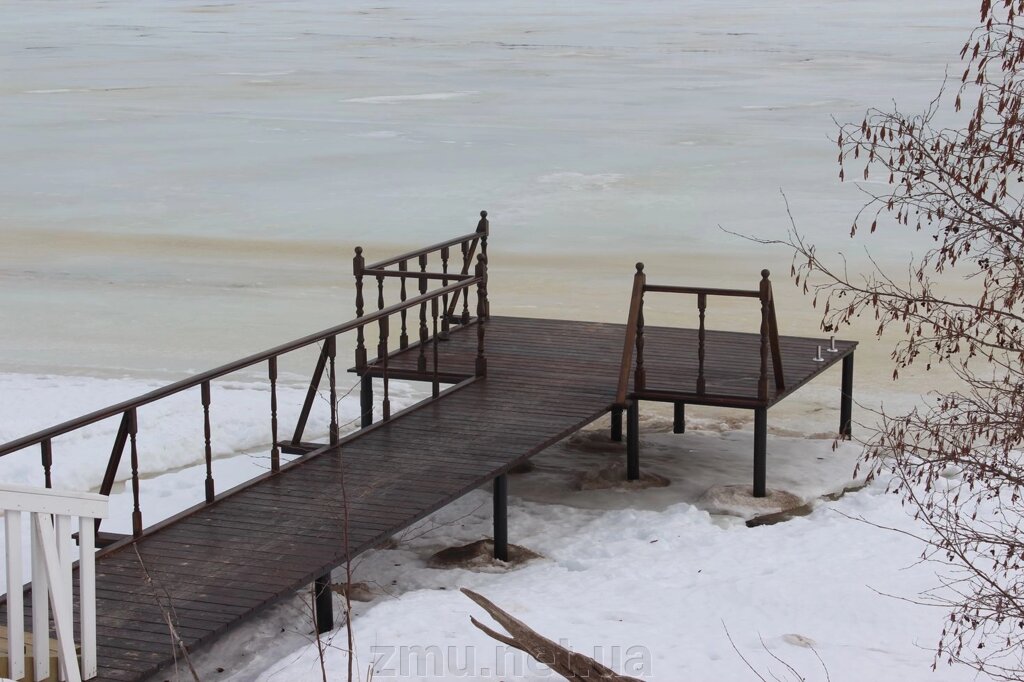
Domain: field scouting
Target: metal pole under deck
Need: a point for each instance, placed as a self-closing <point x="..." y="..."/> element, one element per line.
<point x="760" y="451"/>
<point x="501" y="517"/>
<point x="633" y="441"/>
<point x="846" y="399"/>
<point x="617" y="424"/>
<point x="366" y="400"/>
<point x="679" y="417"/>
<point x="323" y="604"/>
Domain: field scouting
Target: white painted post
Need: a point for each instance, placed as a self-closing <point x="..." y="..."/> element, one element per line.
<point x="62" y="526"/>
<point x="87" y="595"/>
<point x="15" y="596"/>
<point x="59" y="598"/>
<point x="40" y="604"/>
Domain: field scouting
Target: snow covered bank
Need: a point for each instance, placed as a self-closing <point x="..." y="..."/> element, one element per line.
<point x="644" y="580"/>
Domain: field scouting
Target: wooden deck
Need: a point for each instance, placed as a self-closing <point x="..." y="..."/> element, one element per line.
<point x="226" y="561"/>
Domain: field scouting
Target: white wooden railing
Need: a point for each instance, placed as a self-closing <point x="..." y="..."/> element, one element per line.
<point x="50" y="513"/>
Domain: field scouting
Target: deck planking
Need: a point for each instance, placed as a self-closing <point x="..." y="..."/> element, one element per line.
<point x="226" y="561"/>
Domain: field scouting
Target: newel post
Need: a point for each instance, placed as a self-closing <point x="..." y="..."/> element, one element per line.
<point x="765" y="296"/>
<point x="640" y="376"/>
<point x="358" y="265"/>
<point x="483" y="228"/>
<point x="481" y="314"/>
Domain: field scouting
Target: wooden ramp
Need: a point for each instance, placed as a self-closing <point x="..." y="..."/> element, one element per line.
<point x="225" y="562"/>
<point x="519" y="386"/>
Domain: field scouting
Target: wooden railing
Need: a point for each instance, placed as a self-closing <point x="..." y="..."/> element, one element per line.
<point x="50" y="525"/>
<point x="128" y="431"/>
<point x="634" y="341"/>
<point x="398" y="267"/>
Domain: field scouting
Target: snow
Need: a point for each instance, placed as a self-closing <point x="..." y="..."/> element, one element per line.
<point x="637" y="577"/>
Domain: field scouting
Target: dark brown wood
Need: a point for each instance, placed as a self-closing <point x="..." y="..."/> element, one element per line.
<point x="521" y="386"/>
<point x="555" y="376"/>
<point x="314" y="387"/>
<point x="702" y="305"/>
<point x="133" y="430"/>
<point x="275" y="450"/>
<point x="481" y="315"/>
<point x="762" y="381"/>
<point x="208" y="449"/>
<point x="445" y="315"/>
<point x="358" y="265"/>
<point x="403" y="339"/>
<point x="467" y="256"/>
<point x="422" y="358"/>
<point x="632" y="321"/>
<point x="331" y="348"/>
<point x="435" y="381"/>
<point x="46" y="458"/>
<point x="382" y="352"/>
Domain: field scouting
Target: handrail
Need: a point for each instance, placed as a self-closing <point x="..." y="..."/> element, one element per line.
<point x="748" y="293"/>
<point x="635" y="302"/>
<point x="410" y="255"/>
<point x="769" y="333"/>
<point x="412" y="274"/>
<point x="248" y="361"/>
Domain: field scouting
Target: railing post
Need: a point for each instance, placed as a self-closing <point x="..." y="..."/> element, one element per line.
<point x="382" y="353"/>
<point x="702" y="304"/>
<point x="275" y="450"/>
<point x="465" y="292"/>
<point x="403" y="338"/>
<point x="445" y="323"/>
<point x="435" y="382"/>
<point x="133" y="430"/>
<point x="846" y="400"/>
<point x="46" y="455"/>
<point x="421" y="360"/>
<point x="773" y="334"/>
<point x="483" y="228"/>
<point x="205" y="390"/>
<point x="15" y="596"/>
<point x="358" y="265"/>
<point x="640" y="376"/>
<point x="762" y="382"/>
<point x="481" y="314"/>
<point x="332" y="352"/>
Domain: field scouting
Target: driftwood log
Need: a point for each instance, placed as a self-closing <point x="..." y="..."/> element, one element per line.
<point x="569" y="664"/>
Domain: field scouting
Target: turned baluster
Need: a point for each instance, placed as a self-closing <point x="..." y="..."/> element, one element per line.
<point x="403" y="338"/>
<point x="380" y="292"/>
<point x="205" y="391"/>
<point x="133" y="430"/>
<point x="382" y="352"/>
<point x="465" y="292"/>
<point x="421" y="360"/>
<point x="481" y="314"/>
<point x="445" y="252"/>
<point x="702" y="304"/>
<point x="47" y="458"/>
<point x="332" y="352"/>
<point x="358" y="264"/>
<point x="483" y="228"/>
<point x="436" y="384"/>
<point x="275" y="451"/>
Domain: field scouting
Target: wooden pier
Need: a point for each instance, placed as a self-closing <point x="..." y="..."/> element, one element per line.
<point x="502" y="389"/>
